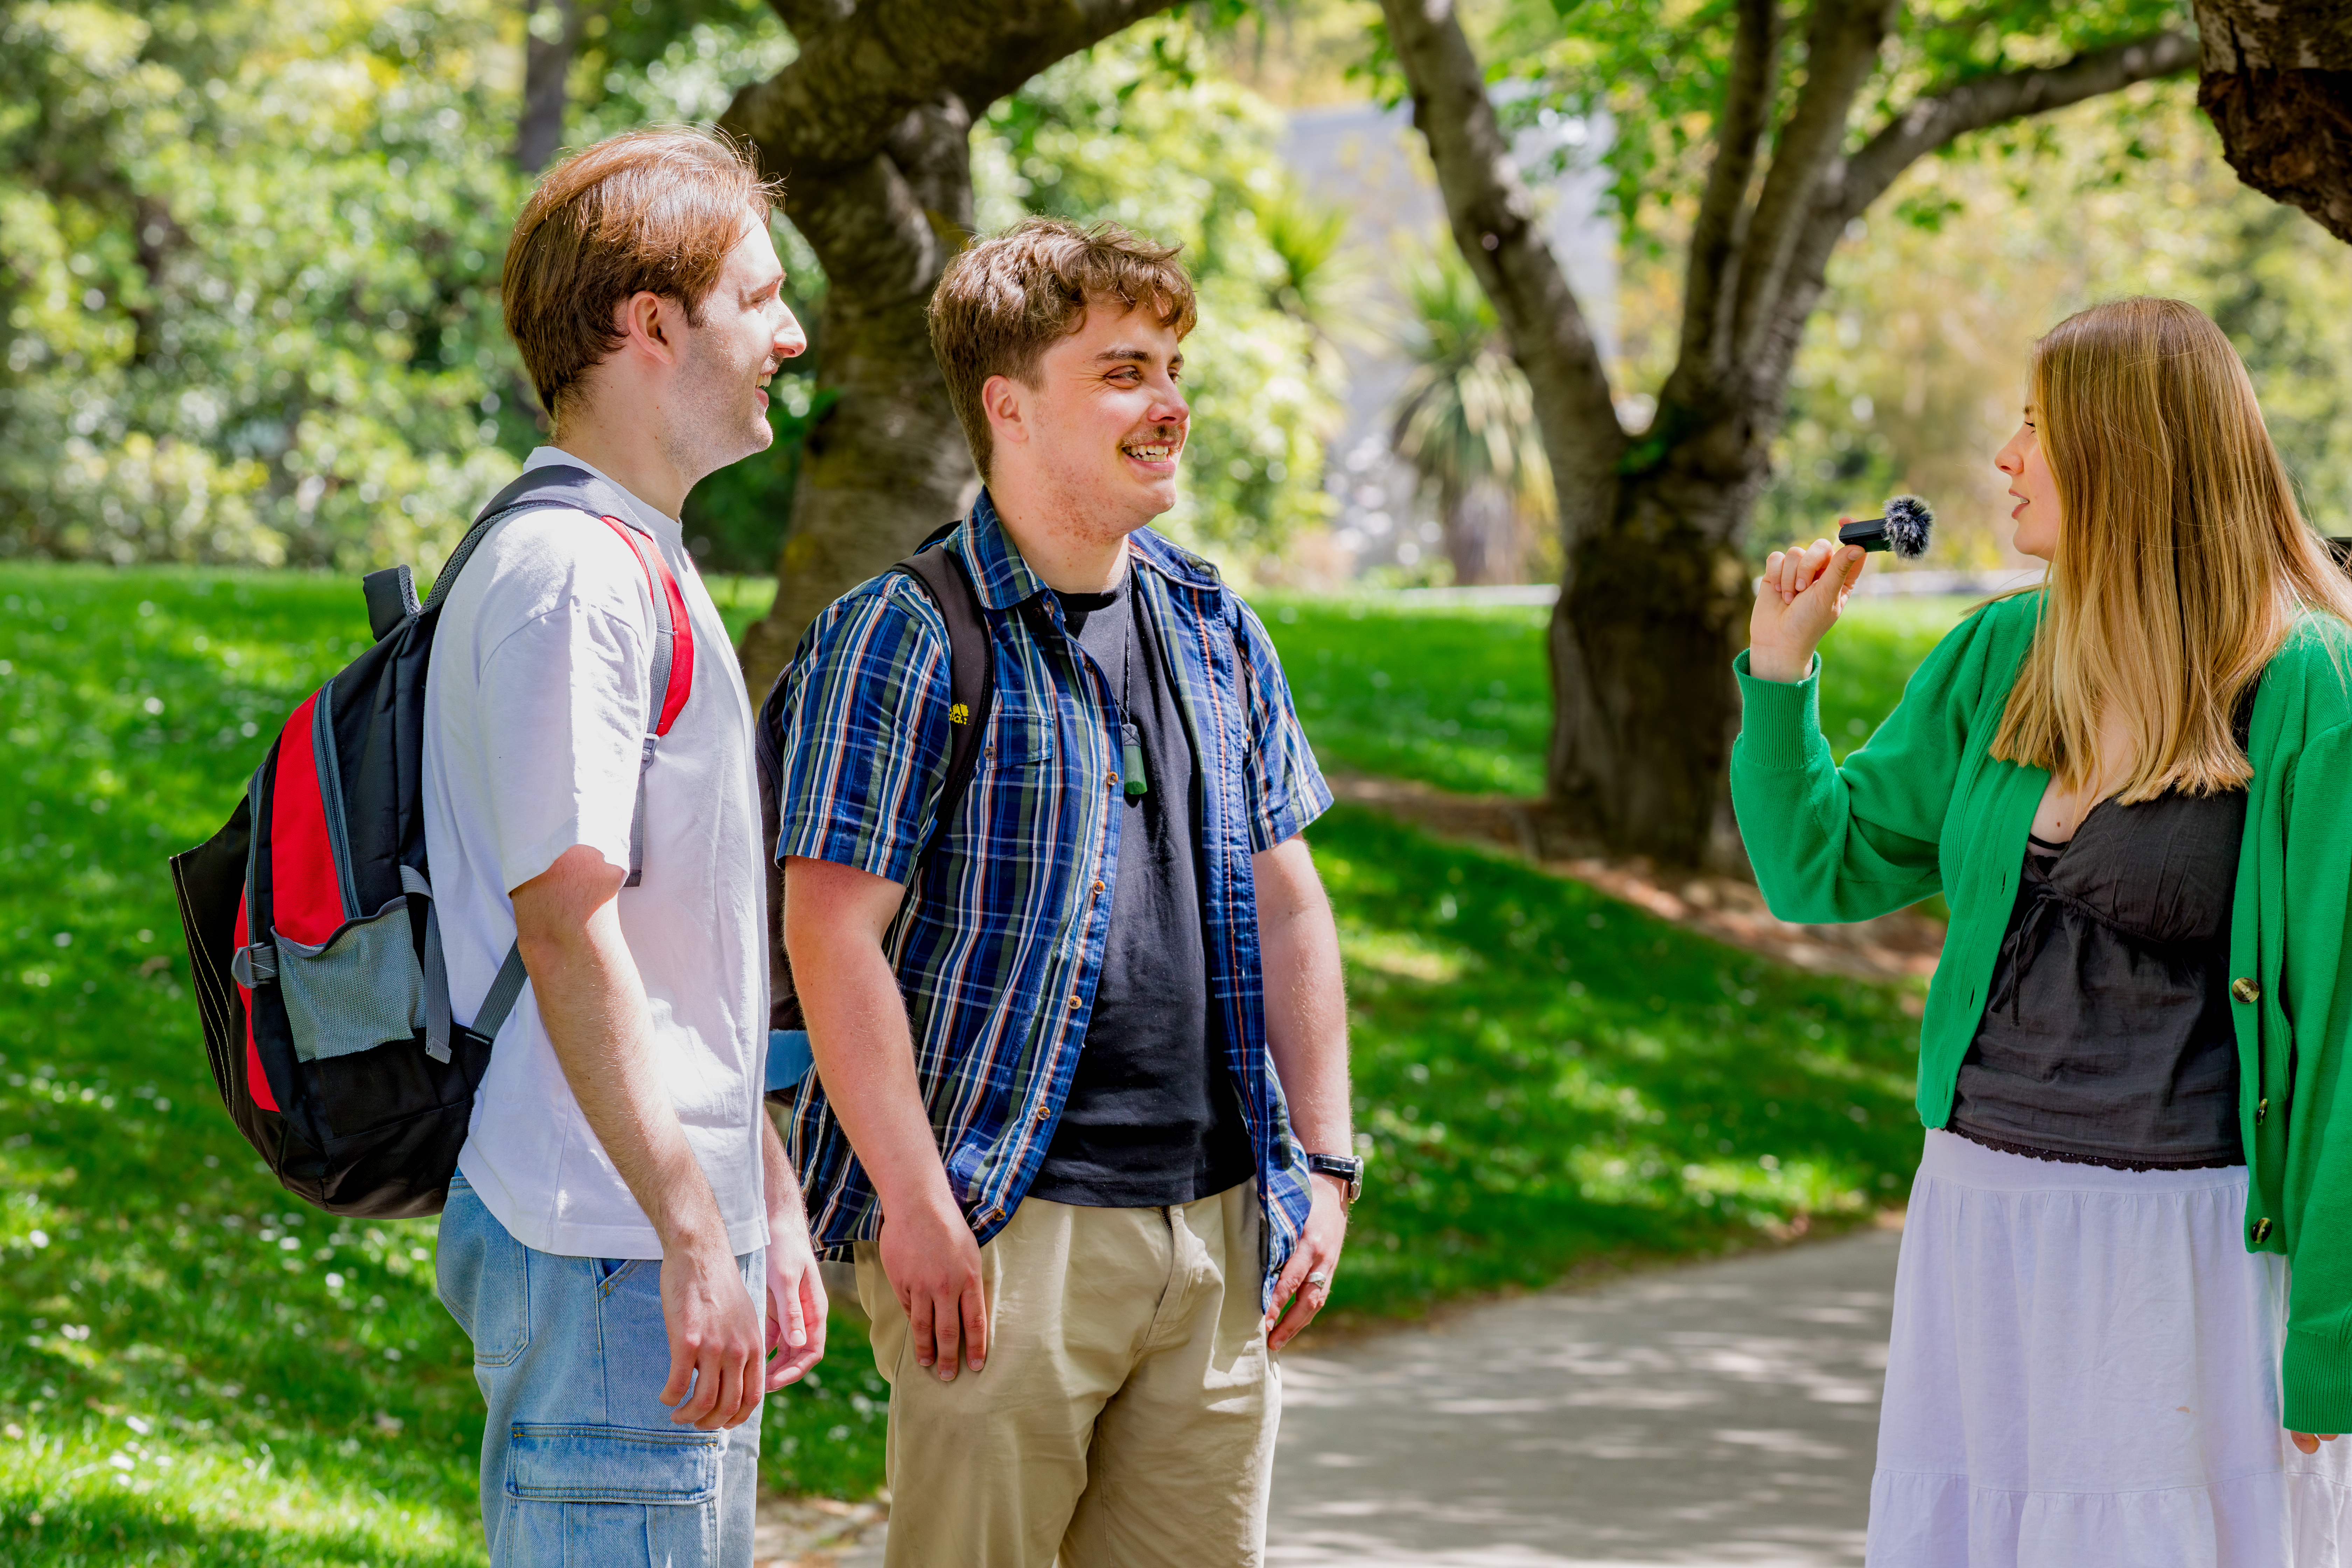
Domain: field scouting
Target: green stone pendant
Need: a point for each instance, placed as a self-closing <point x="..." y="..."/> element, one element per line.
<point x="1131" y="762"/>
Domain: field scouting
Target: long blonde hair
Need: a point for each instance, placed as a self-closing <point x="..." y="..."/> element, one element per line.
<point x="2182" y="558"/>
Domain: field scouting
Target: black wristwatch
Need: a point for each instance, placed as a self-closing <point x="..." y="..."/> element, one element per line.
<point x="1347" y="1167"/>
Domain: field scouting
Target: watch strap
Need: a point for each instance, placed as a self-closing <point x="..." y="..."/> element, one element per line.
<point x="1349" y="1168"/>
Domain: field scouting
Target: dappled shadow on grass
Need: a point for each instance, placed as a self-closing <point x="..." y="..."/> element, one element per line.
<point x="1547" y="1074"/>
<point x="1460" y="696"/>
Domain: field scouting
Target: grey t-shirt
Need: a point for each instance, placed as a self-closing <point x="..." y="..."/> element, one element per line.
<point x="1151" y="1117"/>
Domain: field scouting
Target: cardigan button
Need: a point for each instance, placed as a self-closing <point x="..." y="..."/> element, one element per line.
<point x="2262" y="1231"/>
<point x="2245" y="990"/>
<point x="2262" y="1107"/>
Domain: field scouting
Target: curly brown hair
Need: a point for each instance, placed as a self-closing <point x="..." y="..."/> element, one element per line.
<point x="1003" y="301"/>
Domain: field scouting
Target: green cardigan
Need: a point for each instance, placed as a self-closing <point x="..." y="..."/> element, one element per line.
<point x="1921" y="809"/>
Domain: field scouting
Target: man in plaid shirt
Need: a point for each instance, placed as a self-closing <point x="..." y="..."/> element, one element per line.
<point x="1080" y="1111"/>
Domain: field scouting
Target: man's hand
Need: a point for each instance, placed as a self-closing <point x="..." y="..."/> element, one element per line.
<point x="715" y="1349"/>
<point x="1307" y="1035"/>
<point x="834" y="917"/>
<point x="2309" y="1442"/>
<point x="933" y="1263"/>
<point x="592" y="1002"/>
<point x="1306" y="1281"/>
<point x="796" y="1304"/>
<point x="1802" y="596"/>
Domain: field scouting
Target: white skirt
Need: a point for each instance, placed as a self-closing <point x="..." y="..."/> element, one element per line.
<point x="2083" y="1373"/>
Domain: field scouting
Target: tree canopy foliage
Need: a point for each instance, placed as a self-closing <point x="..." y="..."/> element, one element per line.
<point x="250" y="254"/>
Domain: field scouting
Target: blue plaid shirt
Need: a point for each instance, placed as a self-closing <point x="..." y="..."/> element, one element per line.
<point x="999" y="945"/>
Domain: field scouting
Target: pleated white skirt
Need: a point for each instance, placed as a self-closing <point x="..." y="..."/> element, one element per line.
<point x="2083" y="1373"/>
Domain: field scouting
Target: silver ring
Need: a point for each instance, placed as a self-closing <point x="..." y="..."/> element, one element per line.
<point x="1318" y="1280"/>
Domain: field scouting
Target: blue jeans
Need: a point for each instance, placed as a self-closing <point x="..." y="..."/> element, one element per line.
<point x="580" y="1462"/>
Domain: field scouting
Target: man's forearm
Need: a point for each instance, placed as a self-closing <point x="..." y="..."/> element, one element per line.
<point x="780" y="1182"/>
<point x="866" y="1057"/>
<point x="834" y="917"/>
<point x="594" y="1005"/>
<point x="1305" y="997"/>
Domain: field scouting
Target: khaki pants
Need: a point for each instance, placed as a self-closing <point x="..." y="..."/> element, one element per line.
<point x="1126" y="1414"/>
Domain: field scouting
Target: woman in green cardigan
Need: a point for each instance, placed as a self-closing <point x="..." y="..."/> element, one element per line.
<point x="2123" y="1315"/>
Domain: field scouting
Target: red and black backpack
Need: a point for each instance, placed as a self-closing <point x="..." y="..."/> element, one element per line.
<point x="310" y="917"/>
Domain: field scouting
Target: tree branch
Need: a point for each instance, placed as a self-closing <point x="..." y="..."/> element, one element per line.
<point x="1840" y="49"/>
<point x="1721" y="227"/>
<point x="1493" y="218"/>
<point x="1933" y="122"/>
<point x="803" y="18"/>
<point x="858" y="76"/>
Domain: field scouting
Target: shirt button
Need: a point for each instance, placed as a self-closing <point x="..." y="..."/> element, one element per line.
<point x="2245" y="990"/>
<point x="1098" y="886"/>
<point x="2262" y="1107"/>
<point x="1114" y="780"/>
<point x="1044" y="1113"/>
<point x="2262" y="1231"/>
<point x="1073" y="998"/>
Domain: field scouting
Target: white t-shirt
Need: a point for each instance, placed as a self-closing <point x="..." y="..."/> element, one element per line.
<point x="534" y="716"/>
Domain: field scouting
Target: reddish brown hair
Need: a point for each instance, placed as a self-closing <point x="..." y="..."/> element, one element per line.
<point x="1005" y="300"/>
<point x="652" y="211"/>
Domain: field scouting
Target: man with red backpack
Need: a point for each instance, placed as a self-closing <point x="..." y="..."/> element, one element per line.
<point x="622" y="1205"/>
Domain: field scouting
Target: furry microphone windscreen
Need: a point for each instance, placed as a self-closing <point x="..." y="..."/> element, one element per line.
<point x="1904" y="530"/>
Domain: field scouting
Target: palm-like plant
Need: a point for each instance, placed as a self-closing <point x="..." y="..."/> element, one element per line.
<point x="1464" y="420"/>
<point x="1318" y="279"/>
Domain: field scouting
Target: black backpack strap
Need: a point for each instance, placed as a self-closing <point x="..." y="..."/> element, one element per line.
<point x="971" y="668"/>
<point x="972" y="686"/>
<point x="555" y="484"/>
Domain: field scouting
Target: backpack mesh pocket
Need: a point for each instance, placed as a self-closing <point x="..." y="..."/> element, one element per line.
<point x="360" y="989"/>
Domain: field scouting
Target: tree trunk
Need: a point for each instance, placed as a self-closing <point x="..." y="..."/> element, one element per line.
<point x="1482" y="534"/>
<point x="888" y="463"/>
<point x="2277" y="80"/>
<point x="1652" y="609"/>
<point x="546" y="69"/>
<point x="1653" y="595"/>
<point x="870" y="131"/>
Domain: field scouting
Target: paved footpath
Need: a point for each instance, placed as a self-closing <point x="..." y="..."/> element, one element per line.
<point x="1713" y="1416"/>
<point x="1717" y="1415"/>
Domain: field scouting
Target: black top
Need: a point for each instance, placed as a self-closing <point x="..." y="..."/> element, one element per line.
<point x="2107" y="1040"/>
<point x="1151" y="1117"/>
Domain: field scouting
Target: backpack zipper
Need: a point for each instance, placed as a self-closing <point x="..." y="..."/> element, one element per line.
<point x="330" y="799"/>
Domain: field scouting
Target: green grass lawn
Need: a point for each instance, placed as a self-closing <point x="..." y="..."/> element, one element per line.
<point x="195" y="1368"/>
<point x="1460" y="697"/>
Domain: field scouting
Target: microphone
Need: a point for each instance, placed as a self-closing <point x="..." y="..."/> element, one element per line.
<point x="1904" y="530"/>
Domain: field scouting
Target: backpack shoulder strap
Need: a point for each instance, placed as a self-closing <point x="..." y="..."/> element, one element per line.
<point x="971" y="669"/>
<point x="559" y="484"/>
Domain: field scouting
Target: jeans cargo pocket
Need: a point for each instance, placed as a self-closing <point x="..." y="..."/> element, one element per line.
<point x="483" y="1276"/>
<point x="361" y="988"/>
<point x="613" y="1496"/>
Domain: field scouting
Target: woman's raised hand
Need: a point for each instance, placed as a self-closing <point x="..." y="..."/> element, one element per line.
<point x="1802" y="596"/>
